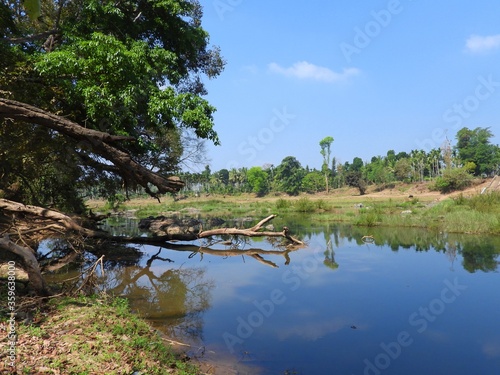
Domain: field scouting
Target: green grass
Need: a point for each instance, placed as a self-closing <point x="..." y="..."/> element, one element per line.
<point x="90" y="335"/>
<point x="459" y="214"/>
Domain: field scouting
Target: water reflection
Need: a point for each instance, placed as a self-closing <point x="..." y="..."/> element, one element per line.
<point x="171" y="296"/>
<point x="339" y="299"/>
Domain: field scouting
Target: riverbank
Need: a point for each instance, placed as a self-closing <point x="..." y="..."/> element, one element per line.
<point x="88" y="335"/>
<point x="398" y="205"/>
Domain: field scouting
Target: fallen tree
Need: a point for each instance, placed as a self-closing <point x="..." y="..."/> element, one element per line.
<point x="23" y="226"/>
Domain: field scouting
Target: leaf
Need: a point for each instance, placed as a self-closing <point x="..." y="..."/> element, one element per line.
<point x="32" y="8"/>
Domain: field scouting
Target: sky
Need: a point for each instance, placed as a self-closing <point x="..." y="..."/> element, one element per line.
<point x="374" y="75"/>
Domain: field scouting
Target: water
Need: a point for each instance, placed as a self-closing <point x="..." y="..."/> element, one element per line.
<point x="410" y="302"/>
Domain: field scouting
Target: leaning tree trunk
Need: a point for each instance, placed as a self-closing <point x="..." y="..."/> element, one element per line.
<point x="102" y="144"/>
<point x="30" y="264"/>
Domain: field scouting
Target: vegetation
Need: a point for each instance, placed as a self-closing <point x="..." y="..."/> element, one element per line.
<point x="478" y="213"/>
<point x="94" y="84"/>
<point x="449" y="168"/>
<point x="96" y="97"/>
<point x="93" y="335"/>
<point x="105" y="99"/>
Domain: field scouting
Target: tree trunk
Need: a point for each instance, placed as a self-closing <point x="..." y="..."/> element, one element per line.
<point x="100" y="143"/>
<point x="30" y="264"/>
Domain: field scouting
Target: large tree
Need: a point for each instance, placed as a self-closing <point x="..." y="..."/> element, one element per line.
<point x="95" y="93"/>
<point x="474" y="146"/>
<point x="98" y="92"/>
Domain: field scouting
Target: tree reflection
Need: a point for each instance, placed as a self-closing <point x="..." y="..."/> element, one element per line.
<point x="330" y="256"/>
<point x="480" y="255"/>
<point x="172" y="298"/>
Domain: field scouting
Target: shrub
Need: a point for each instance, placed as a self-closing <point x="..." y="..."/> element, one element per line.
<point x="453" y="179"/>
<point x="282" y="204"/>
<point x="115" y="202"/>
<point x="304" y="205"/>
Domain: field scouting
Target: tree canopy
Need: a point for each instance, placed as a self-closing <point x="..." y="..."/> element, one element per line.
<point x="130" y="70"/>
<point x="474" y="146"/>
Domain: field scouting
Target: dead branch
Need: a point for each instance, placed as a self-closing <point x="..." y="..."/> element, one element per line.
<point x="90" y="279"/>
<point x="49" y="220"/>
<point x="52" y="215"/>
<point x="252" y="232"/>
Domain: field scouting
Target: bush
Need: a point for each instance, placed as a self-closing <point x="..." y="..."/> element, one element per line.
<point x="453" y="179"/>
<point x="282" y="204"/>
<point x="304" y="205"/>
<point x="115" y="202"/>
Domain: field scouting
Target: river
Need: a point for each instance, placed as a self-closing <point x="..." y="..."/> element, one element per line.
<point x="397" y="301"/>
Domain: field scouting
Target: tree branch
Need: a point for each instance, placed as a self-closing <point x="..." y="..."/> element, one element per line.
<point x="33" y="37"/>
<point x="100" y="142"/>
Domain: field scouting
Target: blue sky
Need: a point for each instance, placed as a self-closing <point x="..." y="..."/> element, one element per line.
<point x="374" y="75"/>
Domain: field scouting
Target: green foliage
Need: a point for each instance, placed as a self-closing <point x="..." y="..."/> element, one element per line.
<point x="368" y="217"/>
<point x="304" y="204"/>
<point x="258" y="180"/>
<point x="453" y="179"/>
<point x="131" y="68"/>
<point x="313" y="182"/>
<point x="289" y="175"/>
<point x="474" y="147"/>
<point x="282" y="204"/>
<point x="115" y="202"/>
<point x="487" y="202"/>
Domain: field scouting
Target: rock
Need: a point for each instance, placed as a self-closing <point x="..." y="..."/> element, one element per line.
<point x="216" y="221"/>
<point x="406" y="212"/>
<point x="163" y="226"/>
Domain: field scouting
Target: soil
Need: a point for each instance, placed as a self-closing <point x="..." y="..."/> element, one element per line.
<point x="422" y="190"/>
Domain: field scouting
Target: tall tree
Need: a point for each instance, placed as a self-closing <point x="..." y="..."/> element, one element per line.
<point x="325" y="145"/>
<point x="104" y="89"/>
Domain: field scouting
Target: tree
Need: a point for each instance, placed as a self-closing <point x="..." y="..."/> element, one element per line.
<point x="95" y="93"/>
<point x="313" y="182"/>
<point x="325" y="145"/>
<point x="402" y="169"/>
<point x="125" y="81"/>
<point x="453" y="179"/>
<point x="377" y="172"/>
<point x="289" y="175"/>
<point x="474" y="146"/>
<point x="357" y="164"/>
<point x="258" y="180"/>
<point x="355" y="179"/>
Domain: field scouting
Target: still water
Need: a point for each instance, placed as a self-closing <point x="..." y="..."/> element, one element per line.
<point x="403" y="302"/>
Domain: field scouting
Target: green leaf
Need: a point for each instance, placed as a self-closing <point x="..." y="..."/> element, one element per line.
<point x="32" y="8"/>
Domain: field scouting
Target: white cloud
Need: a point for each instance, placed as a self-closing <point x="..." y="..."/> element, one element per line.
<point x="478" y="43"/>
<point x="305" y="70"/>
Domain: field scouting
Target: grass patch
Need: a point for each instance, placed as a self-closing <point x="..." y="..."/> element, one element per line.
<point x="304" y="204"/>
<point x="343" y="206"/>
<point x="90" y="335"/>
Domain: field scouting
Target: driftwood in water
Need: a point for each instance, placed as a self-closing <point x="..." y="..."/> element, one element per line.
<point x="26" y="224"/>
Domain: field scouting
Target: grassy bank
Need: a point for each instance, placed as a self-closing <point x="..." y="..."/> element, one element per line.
<point x="91" y="335"/>
<point x="467" y="212"/>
